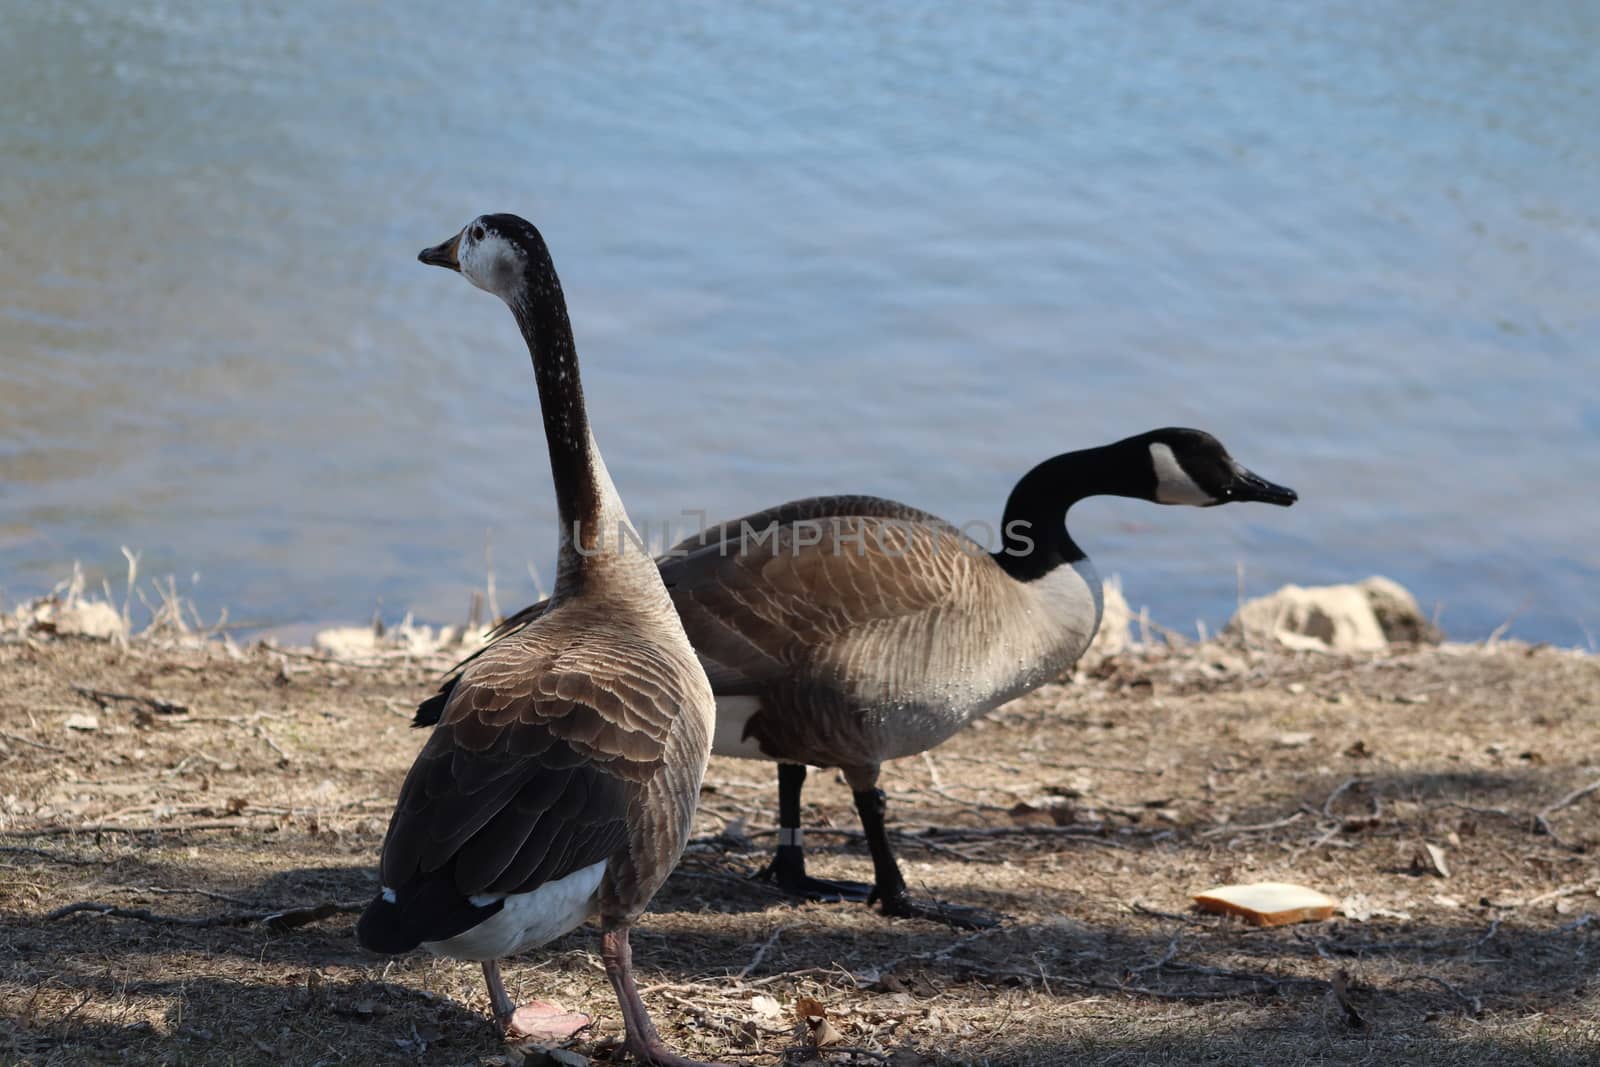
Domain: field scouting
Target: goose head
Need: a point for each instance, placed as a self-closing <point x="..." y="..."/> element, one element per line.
<point x="1191" y="467"/>
<point x="500" y="254"/>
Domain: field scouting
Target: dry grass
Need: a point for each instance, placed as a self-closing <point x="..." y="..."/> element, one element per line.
<point x="1087" y="813"/>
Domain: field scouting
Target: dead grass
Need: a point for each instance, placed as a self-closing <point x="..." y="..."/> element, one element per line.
<point x="1087" y="813"/>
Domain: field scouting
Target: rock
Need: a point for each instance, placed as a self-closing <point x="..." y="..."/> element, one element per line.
<point x="1397" y="611"/>
<point x="71" y="615"/>
<point x="1319" y="619"/>
<point x="1362" y="617"/>
<point x="405" y="638"/>
<point x="91" y="618"/>
<point x="1112" y="637"/>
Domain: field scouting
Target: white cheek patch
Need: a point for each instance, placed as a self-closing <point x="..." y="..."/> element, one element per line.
<point x="1173" y="484"/>
<point x="493" y="265"/>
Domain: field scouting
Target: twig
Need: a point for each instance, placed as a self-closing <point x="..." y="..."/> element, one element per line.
<point x="160" y="890"/>
<point x="1571" y="798"/>
<point x="1327" y="805"/>
<point x="1145" y="909"/>
<point x="755" y="961"/>
<point x="9" y="736"/>
<point x="1245" y="976"/>
<point x="1326" y="949"/>
<point x="1229" y="828"/>
<point x="139" y="828"/>
<point x="278" y="921"/>
<point x="53" y="857"/>
<point x="105" y="698"/>
<point x="1474" y="1004"/>
<point x="1340" y="987"/>
<point x="1166" y="957"/>
<point x="261" y="732"/>
<point x="1555" y="894"/>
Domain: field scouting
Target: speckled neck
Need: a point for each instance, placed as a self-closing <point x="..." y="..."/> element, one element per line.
<point x="586" y="500"/>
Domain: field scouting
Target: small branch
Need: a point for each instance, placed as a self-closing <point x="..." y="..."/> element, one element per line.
<point x="1340" y="988"/>
<point x="1166" y="957"/>
<point x="1276" y="824"/>
<point x="9" y="736"/>
<point x="159" y="890"/>
<point x="1571" y="798"/>
<point x="277" y="921"/>
<point x="755" y="961"/>
<point x="104" y="698"/>
<point x="1327" y="805"/>
<point x="1473" y="1004"/>
<point x="1145" y="909"/>
<point x="74" y="861"/>
<point x="143" y="828"/>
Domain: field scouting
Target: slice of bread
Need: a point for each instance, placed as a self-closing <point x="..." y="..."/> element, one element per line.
<point x="1268" y="903"/>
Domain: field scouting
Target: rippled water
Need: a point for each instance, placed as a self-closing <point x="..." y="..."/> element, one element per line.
<point x="808" y="249"/>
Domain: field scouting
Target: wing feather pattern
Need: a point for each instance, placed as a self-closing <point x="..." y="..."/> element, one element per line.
<point x="530" y="775"/>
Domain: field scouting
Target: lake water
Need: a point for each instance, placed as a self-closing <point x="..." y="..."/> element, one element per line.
<point x="808" y="248"/>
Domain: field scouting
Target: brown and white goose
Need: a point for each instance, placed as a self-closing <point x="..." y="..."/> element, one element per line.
<point x="562" y="777"/>
<point x="846" y="631"/>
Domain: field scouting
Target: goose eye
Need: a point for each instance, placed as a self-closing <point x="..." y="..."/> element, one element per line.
<point x="477" y="233"/>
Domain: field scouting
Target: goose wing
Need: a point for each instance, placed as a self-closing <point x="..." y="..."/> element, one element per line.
<point x="791" y="590"/>
<point x="530" y="775"/>
<point x="764" y="592"/>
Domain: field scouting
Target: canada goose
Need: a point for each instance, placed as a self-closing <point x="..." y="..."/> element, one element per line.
<point x="845" y="631"/>
<point x="562" y="777"/>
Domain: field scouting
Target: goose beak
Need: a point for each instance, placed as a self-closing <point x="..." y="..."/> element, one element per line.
<point x="1248" y="485"/>
<point x="442" y="255"/>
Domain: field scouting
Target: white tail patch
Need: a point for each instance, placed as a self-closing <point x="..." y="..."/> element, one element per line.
<point x="527" y="920"/>
<point x="728" y="739"/>
<point x="1173" y="484"/>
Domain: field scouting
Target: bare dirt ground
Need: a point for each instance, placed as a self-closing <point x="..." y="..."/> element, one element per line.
<point x="240" y="784"/>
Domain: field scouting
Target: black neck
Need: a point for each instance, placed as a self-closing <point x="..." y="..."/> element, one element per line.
<point x="1034" y="538"/>
<point x="542" y="315"/>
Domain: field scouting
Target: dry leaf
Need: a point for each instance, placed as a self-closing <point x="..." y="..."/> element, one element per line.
<point x="1429" y="859"/>
<point x="824" y="1033"/>
<point x="808" y="1008"/>
<point x="766" y="1011"/>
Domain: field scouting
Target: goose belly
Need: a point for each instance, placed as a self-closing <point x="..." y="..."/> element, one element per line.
<point x="526" y="920"/>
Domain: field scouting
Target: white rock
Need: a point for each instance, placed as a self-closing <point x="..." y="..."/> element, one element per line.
<point x="1319" y="618"/>
<point x="1398" y="613"/>
<point x="348" y="642"/>
<point x="72" y="615"/>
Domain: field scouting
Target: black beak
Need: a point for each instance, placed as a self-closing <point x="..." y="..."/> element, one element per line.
<point x="1248" y="485"/>
<point x="442" y="255"/>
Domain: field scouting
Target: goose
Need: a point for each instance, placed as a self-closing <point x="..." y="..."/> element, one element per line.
<point x="560" y="781"/>
<point x="845" y="631"/>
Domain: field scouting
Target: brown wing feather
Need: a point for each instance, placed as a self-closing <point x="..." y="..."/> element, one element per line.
<point x="788" y="604"/>
<point x="535" y="765"/>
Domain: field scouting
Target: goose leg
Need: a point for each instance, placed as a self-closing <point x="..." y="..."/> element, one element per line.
<point x="536" y="1019"/>
<point x="788" y="867"/>
<point x="889" y="888"/>
<point x="640" y="1037"/>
